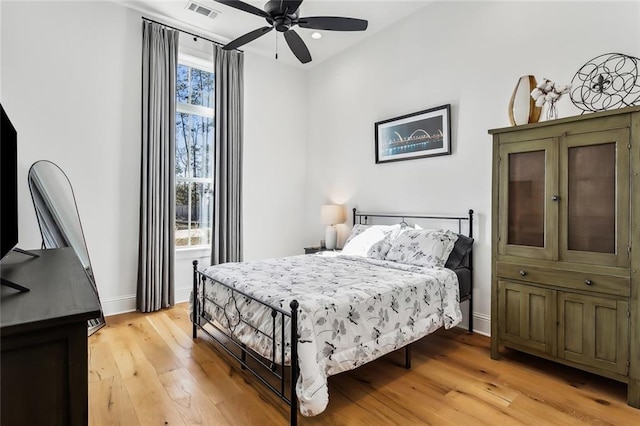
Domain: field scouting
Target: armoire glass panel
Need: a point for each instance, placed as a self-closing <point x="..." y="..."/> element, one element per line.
<point x="526" y="198"/>
<point x="592" y="198"/>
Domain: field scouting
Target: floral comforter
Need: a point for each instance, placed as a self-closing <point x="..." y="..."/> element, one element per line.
<point x="352" y="311"/>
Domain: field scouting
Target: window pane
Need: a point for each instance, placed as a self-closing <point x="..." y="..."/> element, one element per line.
<point x="201" y="214"/>
<point x="194" y="145"/>
<point x="210" y="100"/>
<point x="182" y="144"/>
<point x="194" y="212"/>
<point x="201" y="88"/>
<point x="182" y="214"/>
<point x="201" y="146"/>
<point x="182" y="85"/>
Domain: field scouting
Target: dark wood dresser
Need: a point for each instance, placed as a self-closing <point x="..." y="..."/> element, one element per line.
<point x="44" y="378"/>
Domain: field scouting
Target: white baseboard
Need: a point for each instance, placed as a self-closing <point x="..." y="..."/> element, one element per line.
<point x="118" y="305"/>
<point x="481" y="324"/>
<point x="124" y="304"/>
<point x="182" y="294"/>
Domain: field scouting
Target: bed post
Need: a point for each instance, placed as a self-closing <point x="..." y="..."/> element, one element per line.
<point x="471" y="273"/>
<point x="354" y="217"/>
<point x="194" y="305"/>
<point x="407" y="357"/>
<point x="294" y="361"/>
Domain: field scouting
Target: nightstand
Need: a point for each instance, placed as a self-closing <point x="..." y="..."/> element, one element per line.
<point x="312" y="250"/>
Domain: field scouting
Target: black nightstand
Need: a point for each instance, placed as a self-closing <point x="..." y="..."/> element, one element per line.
<point x="312" y="250"/>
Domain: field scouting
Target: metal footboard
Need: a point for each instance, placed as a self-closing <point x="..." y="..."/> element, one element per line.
<point x="272" y="372"/>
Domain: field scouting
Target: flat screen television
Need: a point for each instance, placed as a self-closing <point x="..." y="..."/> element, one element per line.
<point x="8" y="184"/>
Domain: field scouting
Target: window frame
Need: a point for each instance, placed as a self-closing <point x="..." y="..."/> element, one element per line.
<point x="201" y="111"/>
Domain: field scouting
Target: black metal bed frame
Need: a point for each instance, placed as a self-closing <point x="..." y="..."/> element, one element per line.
<point x="274" y="371"/>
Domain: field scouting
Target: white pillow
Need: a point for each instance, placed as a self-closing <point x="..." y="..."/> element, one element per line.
<point x="370" y="241"/>
<point x="355" y="231"/>
<point x="422" y="247"/>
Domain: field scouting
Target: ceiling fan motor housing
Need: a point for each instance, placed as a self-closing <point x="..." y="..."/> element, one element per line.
<point x="282" y="24"/>
<point x="281" y="19"/>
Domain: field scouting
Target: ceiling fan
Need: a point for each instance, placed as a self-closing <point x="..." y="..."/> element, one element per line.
<point x="283" y="15"/>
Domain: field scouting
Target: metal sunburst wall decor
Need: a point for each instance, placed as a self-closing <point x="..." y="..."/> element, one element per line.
<point x="607" y="82"/>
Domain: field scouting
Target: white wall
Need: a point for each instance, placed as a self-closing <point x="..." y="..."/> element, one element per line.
<point x="275" y="154"/>
<point x="469" y="55"/>
<point x="71" y="84"/>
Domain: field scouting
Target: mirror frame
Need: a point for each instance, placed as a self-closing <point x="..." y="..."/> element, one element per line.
<point x="93" y="325"/>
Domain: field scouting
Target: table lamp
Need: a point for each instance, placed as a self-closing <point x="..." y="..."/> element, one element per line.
<point x="331" y="215"/>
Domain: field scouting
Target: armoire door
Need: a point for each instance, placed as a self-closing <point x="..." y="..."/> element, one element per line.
<point x="594" y="198"/>
<point x="528" y="316"/>
<point x="593" y="331"/>
<point x="527" y="215"/>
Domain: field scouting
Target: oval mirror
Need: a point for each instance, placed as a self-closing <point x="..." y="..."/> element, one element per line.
<point x="58" y="218"/>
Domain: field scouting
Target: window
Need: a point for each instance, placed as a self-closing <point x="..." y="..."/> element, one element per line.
<point x="194" y="152"/>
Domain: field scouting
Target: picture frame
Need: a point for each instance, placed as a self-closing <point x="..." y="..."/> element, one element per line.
<point x="418" y="135"/>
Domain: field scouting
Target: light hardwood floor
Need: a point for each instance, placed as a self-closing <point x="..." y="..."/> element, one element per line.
<point x="144" y="369"/>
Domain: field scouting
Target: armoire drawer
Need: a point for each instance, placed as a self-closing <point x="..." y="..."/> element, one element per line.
<point x="585" y="281"/>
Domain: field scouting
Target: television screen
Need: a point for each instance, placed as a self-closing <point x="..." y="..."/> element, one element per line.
<point x="8" y="184"/>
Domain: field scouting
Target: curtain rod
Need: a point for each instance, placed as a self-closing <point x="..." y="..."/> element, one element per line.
<point x="186" y="32"/>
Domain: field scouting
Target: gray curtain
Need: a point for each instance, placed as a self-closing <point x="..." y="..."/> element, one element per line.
<point x="227" y="207"/>
<point x="157" y="192"/>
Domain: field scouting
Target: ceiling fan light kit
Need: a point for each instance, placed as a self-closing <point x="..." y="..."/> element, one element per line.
<point x="282" y="15"/>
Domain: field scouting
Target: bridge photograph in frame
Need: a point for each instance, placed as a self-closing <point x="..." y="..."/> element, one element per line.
<point x="420" y="134"/>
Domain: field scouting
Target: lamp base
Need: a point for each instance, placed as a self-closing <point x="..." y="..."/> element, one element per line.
<point x="331" y="237"/>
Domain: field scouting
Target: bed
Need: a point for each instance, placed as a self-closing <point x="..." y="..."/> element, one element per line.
<point x="332" y="312"/>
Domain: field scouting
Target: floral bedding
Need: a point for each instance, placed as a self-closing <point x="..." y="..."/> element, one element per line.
<point x="352" y="311"/>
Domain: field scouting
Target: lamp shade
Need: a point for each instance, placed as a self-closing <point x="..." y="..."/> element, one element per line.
<point x="332" y="214"/>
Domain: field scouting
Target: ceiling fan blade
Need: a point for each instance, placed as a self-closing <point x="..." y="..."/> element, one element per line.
<point x="242" y="40"/>
<point x="333" y="23"/>
<point x="236" y="4"/>
<point x="297" y="46"/>
<point x="290" y="5"/>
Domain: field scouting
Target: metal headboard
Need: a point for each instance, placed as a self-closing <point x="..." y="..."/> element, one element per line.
<point x="363" y="219"/>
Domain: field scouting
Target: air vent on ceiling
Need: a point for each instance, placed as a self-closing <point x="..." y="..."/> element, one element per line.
<point x="202" y="10"/>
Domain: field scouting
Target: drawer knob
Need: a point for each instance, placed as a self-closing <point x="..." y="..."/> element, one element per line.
<point x="523" y="273"/>
<point x="588" y="282"/>
<point x="556" y="198"/>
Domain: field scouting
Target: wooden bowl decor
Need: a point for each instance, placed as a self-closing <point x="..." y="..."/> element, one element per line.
<point x="522" y="109"/>
<point x="608" y="81"/>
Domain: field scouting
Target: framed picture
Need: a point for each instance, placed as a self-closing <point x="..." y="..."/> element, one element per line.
<point x="421" y="134"/>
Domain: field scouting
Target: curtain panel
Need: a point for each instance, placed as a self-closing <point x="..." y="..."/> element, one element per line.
<point x="157" y="191"/>
<point x="227" y="208"/>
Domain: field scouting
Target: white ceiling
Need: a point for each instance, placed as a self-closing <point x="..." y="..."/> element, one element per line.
<point x="231" y="23"/>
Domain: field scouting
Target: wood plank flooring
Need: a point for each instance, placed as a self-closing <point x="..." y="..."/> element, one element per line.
<point x="144" y="369"/>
